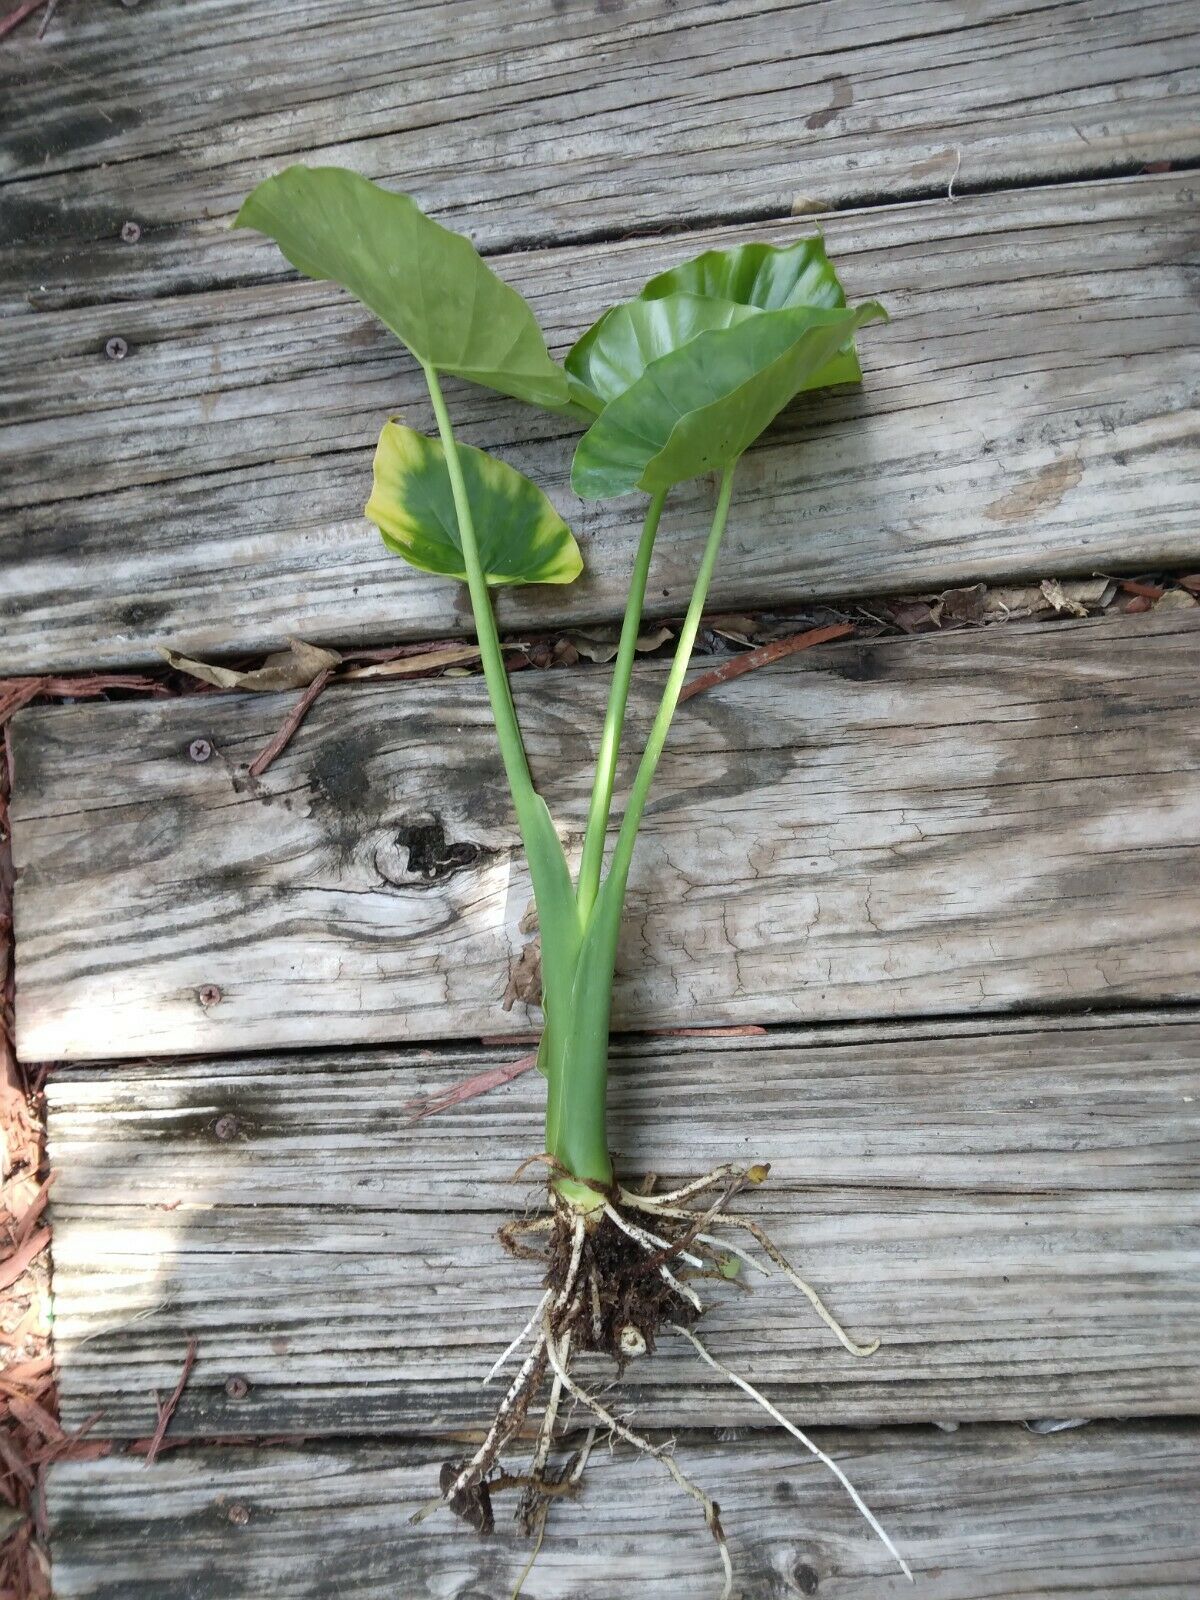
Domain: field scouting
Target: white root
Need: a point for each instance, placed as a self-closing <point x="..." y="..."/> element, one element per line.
<point x="582" y="1460"/>
<point x="683" y="1289"/>
<point x="524" y="1334"/>
<point x="577" y="1235"/>
<point x="651" y="1244"/>
<point x="546" y="1431"/>
<point x="662" y="1454"/>
<point x="775" y="1255"/>
<point x="718" y="1175"/>
<point x="828" y="1461"/>
<point x="732" y="1249"/>
<point x="806" y="1289"/>
<point x="649" y="1241"/>
<point x="494" y="1432"/>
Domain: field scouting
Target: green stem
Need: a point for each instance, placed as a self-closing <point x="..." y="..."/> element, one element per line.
<point x="512" y="749"/>
<point x="576" y="1107"/>
<point x="631" y="821"/>
<point x="553" y="891"/>
<point x="614" y="721"/>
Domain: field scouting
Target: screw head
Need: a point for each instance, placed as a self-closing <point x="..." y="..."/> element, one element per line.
<point x="200" y="749"/>
<point x="116" y="349"/>
<point x="131" y="232"/>
<point x="239" y="1515"/>
<point x="209" y="995"/>
<point x="225" y="1128"/>
<point x="237" y="1388"/>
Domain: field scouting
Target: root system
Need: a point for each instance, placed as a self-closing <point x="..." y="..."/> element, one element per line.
<point x="619" y="1276"/>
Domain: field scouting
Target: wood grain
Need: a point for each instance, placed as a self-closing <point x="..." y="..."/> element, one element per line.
<point x="988" y="1513"/>
<point x="1011" y="1207"/>
<point x="995" y="820"/>
<point x="537" y="124"/>
<point x="1030" y="410"/>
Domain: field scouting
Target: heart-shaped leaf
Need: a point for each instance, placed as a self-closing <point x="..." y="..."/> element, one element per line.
<point x="769" y="277"/>
<point x="425" y="282"/>
<point x="715" y="290"/>
<point x="522" y="539"/>
<point x="702" y="405"/>
<point x="615" y="351"/>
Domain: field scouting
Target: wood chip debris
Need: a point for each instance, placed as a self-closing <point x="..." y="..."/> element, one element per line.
<point x="166" y="1408"/>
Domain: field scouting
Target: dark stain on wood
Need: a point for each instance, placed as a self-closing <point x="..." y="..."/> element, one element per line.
<point x="68" y="135"/>
<point x="841" y="99"/>
<point x="857" y="664"/>
<point x="141" y="613"/>
<point x="432" y="858"/>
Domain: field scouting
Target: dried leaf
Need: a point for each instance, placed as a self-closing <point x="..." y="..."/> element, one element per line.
<point x="525" y="978"/>
<point x="1175" y="600"/>
<point x="413" y="666"/>
<point x="1060" y="600"/>
<point x="916" y="617"/>
<point x="600" y="645"/>
<point x="1077" y="597"/>
<point x="741" y="630"/>
<point x="1014" y="602"/>
<point x="293" y="668"/>
<point x="805" y="205"/>
<point x="963" y="605"/>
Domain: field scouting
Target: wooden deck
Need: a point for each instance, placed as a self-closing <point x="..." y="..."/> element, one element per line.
<point x="953" y="877"/>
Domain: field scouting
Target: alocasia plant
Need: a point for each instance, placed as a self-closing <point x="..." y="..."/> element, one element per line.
<point x="676" y="382"/>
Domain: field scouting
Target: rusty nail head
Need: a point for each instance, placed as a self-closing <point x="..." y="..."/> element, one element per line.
<point x="239" y="1515"/>
<point x="131" y="232"/>
<point x="237" y="1388"/>
<point x="116" y="349"/>
<point x="225" y="1127"/>
<point x="210" y="995"/>
<point x="200" y="749"/>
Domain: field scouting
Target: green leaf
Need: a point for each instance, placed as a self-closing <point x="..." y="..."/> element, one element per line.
<point x="701" y="406"/>
<point x="615" y="351"/>
<point x="769" y="277"/>
<point x="522" y="539"/>
<point x="425" y="282"/>
<point x="715" y="290"/>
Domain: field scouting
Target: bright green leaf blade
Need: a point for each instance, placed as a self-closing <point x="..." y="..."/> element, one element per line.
<point x="522" y="539"/>
<point x="700" y="407"/>
<point x="425" y="282"/>
<point x="614" y="352"/>
<point x="769" y="277"/>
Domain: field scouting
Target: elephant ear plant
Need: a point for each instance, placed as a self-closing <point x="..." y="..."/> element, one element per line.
<point x="675" y="383"/>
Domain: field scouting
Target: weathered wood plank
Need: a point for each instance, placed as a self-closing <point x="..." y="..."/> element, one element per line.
<point x="1029" y="410"/>
<point x="987" y="820"/>
<point x="988" y="1513"/>
<point x="536" y="124"/>
<point x="1011" y="1208"/>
